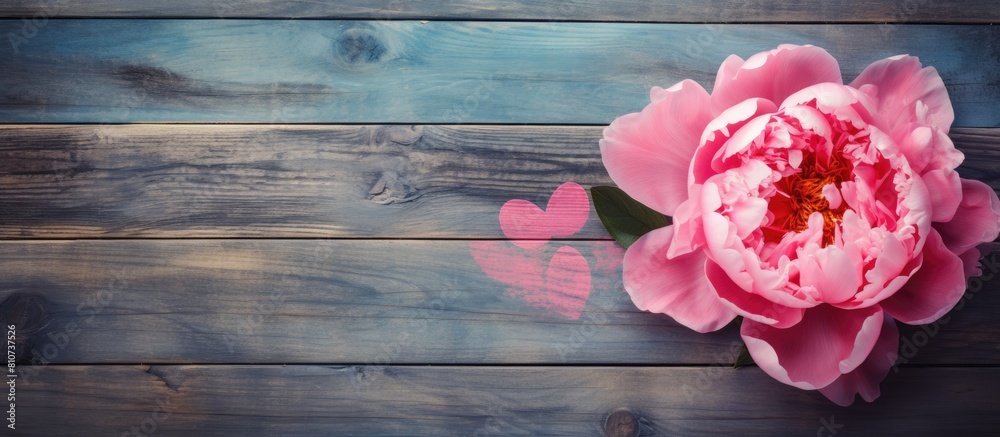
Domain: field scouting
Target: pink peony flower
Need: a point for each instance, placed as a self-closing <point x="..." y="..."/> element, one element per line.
<point x="818" y="211"/>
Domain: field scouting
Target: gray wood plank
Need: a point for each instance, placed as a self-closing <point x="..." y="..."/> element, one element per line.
<point x="376" y="302"/>
<point x="283" y="181"/>
<point x="225" y="181"/>
<point x="489" y="401"/>
<point x="949" y="11"/>
<point x="75" y="71"/>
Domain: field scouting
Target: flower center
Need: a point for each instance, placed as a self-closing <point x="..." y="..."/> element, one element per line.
<point x="805" y="195"/>
<point x="807" y="198"/>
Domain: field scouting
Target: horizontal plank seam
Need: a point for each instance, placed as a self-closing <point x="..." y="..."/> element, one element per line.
<point x="484" y="365"/>
<point x="305" y="123"/>
<point x="21" y="124"/>
<point x="401" y="239"/>
<point x="964" y="22"/>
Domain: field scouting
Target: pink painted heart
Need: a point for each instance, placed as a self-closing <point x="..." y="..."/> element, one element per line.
<point x="559" y="285"/>
<point x="531" y="227"/>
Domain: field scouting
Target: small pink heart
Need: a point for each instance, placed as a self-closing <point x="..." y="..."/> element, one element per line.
<point x="561" y="285"/>
<point x="567" y="280"/>
<point x="531" y="227"/>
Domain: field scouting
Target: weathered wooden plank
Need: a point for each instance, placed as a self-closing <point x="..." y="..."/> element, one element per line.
<point x="435" y="72"/>
<point x="182" y="181"/>
<point x="377" y="302"/>
<point x="744" y="11"/>
<point x="283" y="181"/>
<point x="489" y="401"/>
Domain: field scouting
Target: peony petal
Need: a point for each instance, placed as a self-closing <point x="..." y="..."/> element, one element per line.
<point x="917" y="203"/>
<point x="970" y="260"/>
<point x="688" y="229"/>
<point x="927" y="148"/>
<point x="978" y="219"/>
<point x="748" y="215"/>
<point x="774" y="75"/>
<point x="719" y="232"/>
<point x="727" y="71"/>
<point x="675" y="287"/>
<point x="931" y="291"/>
<point x="866" y="378"/>
<point x="841" y="101"/>
<point x="834" y="271"/>
<point x="743" y="138"/>
<point x="648" y="153"/>
<point x="752" y="306"/>
<point x="719" y="131"/>
<point x="945" y="188"/>
<point x="893" y="261"/>
<point x="832" y="195"/>
<point x="904" y="93"/>
<point x="827" y="343"/>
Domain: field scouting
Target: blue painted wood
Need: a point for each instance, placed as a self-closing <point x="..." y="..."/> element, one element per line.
<point x="306" y="181"/>
<point x="674" y="11"/>
<point x="435" y="72"/>
<point x="181" y="301"/>
<point x="376" y="302"/>
<point x="446" y="401"/>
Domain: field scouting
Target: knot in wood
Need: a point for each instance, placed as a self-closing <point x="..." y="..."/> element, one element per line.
<point x="621" y="423"/>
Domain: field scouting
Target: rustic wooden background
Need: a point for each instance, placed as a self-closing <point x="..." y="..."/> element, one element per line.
<point x="260" y="225"/>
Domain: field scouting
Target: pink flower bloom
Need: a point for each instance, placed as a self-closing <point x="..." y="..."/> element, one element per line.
<point x="818" y="211"/>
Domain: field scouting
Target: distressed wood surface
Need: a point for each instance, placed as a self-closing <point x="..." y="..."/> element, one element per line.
<point x="436" y="72"/>
<point x="417" y="318"/>
<point x="489" y="401"/>
<point x="283" y="181"/>
<point x="184" y="181"/>
<point x="389" y="301"/>
<point x="743" y="11"/>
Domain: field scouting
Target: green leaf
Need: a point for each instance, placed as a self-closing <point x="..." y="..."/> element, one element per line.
<point x="743" y="358"/>
<point x="625" y="218"/>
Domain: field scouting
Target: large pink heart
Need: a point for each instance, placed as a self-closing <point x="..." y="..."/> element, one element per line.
<point x="530" y="227"/>
<point x="562" y="285"/>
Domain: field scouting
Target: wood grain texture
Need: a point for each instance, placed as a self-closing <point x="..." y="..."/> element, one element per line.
<point x="489" y="401"/>
<point x="376" y="302"/>
<point x="283" y="181"/>
<point x="436" y="72"/>
<point x="183" y="181"/>
<point x="866" y="11"/>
